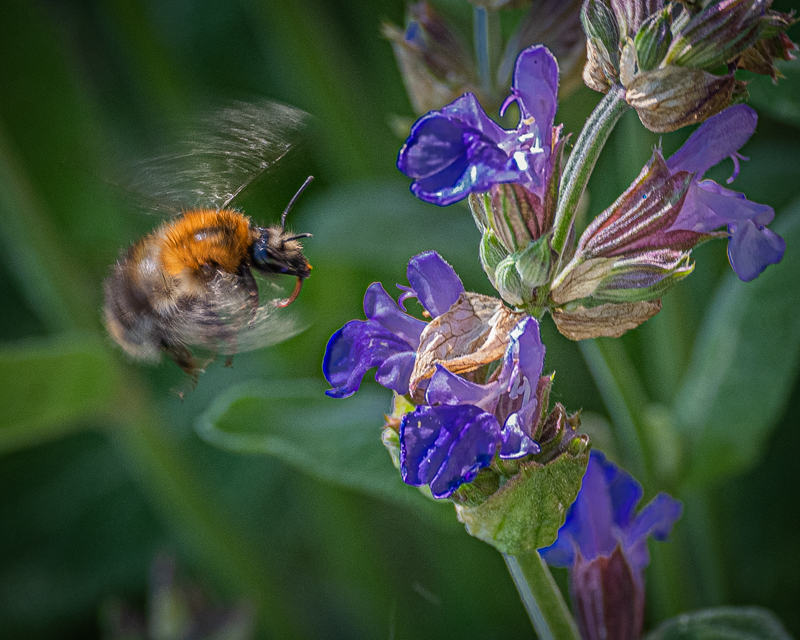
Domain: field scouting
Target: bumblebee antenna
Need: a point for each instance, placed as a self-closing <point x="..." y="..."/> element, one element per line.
<point x="291" y="203"/>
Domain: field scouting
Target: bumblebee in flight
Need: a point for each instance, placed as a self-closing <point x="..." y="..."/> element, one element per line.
<point x="190" y="283"/>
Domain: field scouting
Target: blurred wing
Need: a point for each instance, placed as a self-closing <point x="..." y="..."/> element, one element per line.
<point x="225" y="323"/>
<point x="220" y="154"/>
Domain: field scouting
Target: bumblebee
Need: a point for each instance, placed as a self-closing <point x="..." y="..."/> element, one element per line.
<point x="190" y="284"/>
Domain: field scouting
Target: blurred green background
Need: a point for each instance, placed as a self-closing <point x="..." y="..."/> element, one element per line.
<point x="102" y="468"/>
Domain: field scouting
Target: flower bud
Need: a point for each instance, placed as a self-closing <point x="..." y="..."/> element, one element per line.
<point x="774" y="45"/>
<point x="602" y="42"/>
<point x="666" y="58"/>
<point x="717" y="34"/>
<point x="435" y="62"/>
<point x="653" y="40"/>
<point x="669" y="98"/>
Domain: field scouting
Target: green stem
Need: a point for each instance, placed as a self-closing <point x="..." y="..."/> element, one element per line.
<point x="486" y="30"/>
<point x="542" y="598"/>
<point x="581" y="161"/>
<point x="622" y="392"/>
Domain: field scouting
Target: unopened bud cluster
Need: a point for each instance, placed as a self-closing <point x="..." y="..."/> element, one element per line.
<point x="675" y="60"/>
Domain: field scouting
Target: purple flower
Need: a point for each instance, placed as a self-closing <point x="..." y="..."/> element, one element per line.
<point x="604" y="543"/>
<point x="389" y="338"/>
<point x="708" y="206"/>
<point x="446" y="442"/>
<point x="460" y="150"/>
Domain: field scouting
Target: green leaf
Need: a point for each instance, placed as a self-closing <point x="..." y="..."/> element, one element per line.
<point x="527" y="512"/>
<point x="724" y="623"/>
<point x="744" y="365"/>
<point x="52" y="385"/>
<point x="336" y="441"/>
<point x="780" y="101"/>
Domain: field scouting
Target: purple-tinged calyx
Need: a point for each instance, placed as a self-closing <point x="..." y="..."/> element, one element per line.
<point x="630" y="252"/>
<point x="389" y="338"/>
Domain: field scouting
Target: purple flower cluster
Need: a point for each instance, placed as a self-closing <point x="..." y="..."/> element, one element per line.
<point x="460" y="150"/>
<point x="463" y="424"/>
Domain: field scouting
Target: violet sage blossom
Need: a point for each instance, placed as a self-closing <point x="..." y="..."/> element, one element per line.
<point x="389" y="338"/>
<point x="460" y="424"/>
<point x="603" y="542"/>
<point x="445" y="442"/>
<point x="460" y="150"/>
<point x="708" y="206"/>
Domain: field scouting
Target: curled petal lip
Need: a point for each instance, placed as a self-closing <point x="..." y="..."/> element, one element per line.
<point x="719" y="137"/>
<point x="389" y="338"/>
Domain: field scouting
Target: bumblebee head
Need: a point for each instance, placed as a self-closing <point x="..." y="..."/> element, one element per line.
<point x="277" y="252"/>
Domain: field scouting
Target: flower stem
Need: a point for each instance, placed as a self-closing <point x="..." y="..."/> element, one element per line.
<point x="581" y="161"/>
<point x="486" y="30"/>
<point x="542" y="598"/>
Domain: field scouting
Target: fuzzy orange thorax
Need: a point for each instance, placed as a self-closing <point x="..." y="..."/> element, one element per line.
<point x="206" y="237"/>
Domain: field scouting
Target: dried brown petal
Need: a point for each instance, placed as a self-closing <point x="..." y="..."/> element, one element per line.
<point x="610" y="320"/>
<point x="472" y="333"/>
<point x="669" y="98"/>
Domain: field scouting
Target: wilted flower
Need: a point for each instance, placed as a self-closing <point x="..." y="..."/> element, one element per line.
<point x="389" y="338"/>
<point x="460" y="150"/>
<point x="435" y="62"/>
<point x="603" y="542"/>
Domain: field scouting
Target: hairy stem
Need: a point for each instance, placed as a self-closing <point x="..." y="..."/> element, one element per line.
<point x="581" y="161"/>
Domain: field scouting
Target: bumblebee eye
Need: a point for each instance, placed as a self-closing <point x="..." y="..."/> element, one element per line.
<point x="266" y="258"/>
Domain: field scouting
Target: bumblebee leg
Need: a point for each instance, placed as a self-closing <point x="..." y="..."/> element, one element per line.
<point x="251" y="287"/>
<point x="186" y="361"/>
<point x="293" y="297"/>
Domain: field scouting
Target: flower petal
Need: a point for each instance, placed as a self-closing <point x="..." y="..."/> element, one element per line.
<point x="656" y="519"/>
<point x="709" y="206"/>
<point x="446" y="446"/>
<point x="395" y="372"/>
<point x="717" y="138"/>
<point x="353" y="350"/>
<point x="753" y="248"/>
<point x="434" y="281"/>
<point x="451" y="389"/>
<point x="591" y="522"/>
<point x="536" y="84"/>
<point x="381" y="309"/>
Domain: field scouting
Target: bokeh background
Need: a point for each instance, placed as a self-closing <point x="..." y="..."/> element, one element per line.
<point x="307" y="529"/>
